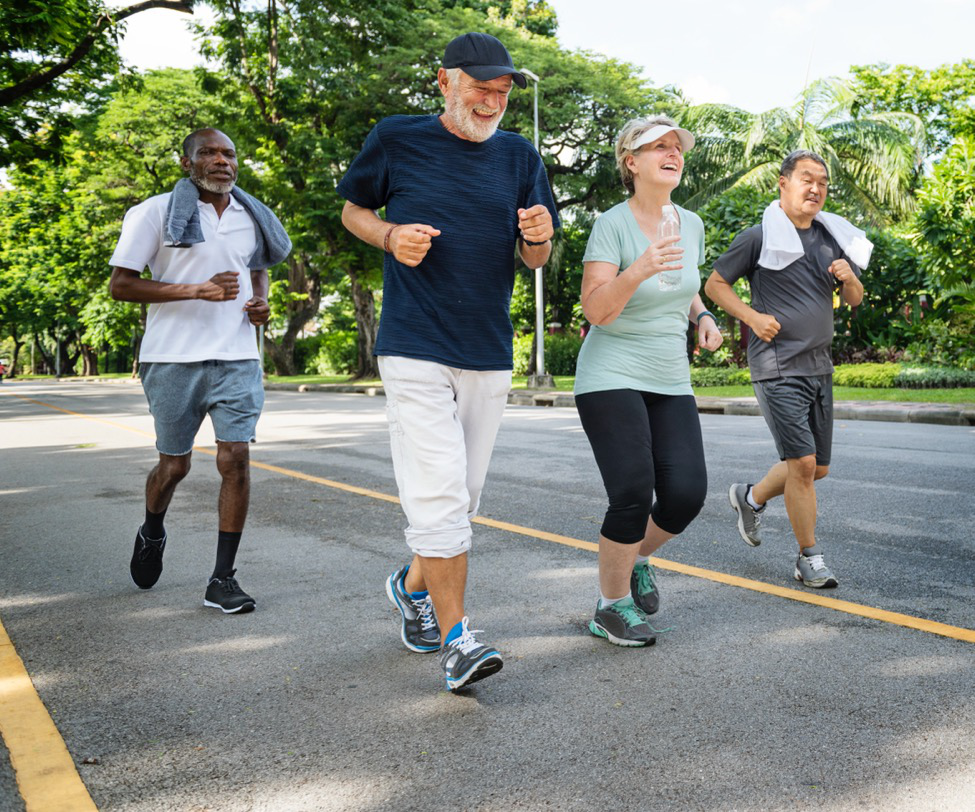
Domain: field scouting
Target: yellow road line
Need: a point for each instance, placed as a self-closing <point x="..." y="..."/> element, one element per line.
<point x="46" y="775"/>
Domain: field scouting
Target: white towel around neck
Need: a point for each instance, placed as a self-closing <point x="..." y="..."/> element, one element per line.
<point x="781" y="245"/>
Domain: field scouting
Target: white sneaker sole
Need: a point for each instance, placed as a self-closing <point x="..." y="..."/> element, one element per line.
<point x="244" y="607"/>
<point x="821" y="583"/>
<point x="617" y="641"/>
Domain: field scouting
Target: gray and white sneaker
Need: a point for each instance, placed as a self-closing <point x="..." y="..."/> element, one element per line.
<point x="419" y="631"/>
<point x="813" y="572"/>
<point x="749" y="519"/>
<point x="464" y="660"/>
<point x="622" y="624"/>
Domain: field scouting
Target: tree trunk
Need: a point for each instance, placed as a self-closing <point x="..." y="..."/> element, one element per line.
<point x="46" y="358"/>
<point x="298" y="311"/>
<point x="282" y="351"/>
<point x="89" y="358"/>
<point x="367" y="366"/>
<point x="12" y="369"/>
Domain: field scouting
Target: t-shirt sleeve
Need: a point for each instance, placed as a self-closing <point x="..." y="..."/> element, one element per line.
<point x="741" y="258"/>
<point x="366" y="183"/>
<point x="139" y="241"/>
<point x="604" y="243"/>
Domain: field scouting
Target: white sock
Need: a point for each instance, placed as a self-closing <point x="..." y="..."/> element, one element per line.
<point x="751" y="500"/>
<point x="604" y="601"/>
<point x="641" y="559"/>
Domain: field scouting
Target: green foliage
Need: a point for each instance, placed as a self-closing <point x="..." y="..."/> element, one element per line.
<point x="719" y="376"/>
<point x="941" y="97"/>
<point x="337" y="354"/>
<point x="946" y="223"/>
<point x="910" y="377"/>
<point x="873" y="159"/>
<point x="941" y="342"/>
<point x="880" y="376"/>
<point x="561" y="352"/>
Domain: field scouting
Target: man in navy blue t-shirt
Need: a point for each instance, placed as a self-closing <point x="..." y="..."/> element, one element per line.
<point x="460" y="197"/>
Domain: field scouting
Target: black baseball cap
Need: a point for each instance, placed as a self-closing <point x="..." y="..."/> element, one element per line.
<point x="482" y="56"/>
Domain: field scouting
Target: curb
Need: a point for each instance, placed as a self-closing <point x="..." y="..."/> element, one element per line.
<point x="936" y="413"/>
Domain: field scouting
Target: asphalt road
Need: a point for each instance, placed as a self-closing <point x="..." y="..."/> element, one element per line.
<point x="752" y="702"/>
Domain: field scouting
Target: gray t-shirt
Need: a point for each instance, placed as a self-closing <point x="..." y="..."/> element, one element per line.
<point x="800" y="296"/>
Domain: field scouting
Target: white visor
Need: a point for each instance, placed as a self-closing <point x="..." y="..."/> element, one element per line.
<point x="654" y="133"/>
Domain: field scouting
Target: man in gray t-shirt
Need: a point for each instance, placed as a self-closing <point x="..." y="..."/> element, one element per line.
<point x="791" y="322"/>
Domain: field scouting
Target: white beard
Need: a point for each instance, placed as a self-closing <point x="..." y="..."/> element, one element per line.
<point x="467" y="123"/>
<point x="211" y="185"/>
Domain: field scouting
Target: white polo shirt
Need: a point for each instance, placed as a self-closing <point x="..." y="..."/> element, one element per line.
<point x="193" y="330"/>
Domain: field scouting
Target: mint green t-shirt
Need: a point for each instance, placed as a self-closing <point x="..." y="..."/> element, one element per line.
<point x="644" y="348"/>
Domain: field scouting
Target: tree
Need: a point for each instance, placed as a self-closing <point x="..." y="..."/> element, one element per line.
<point x="946" y="223"/>
<point x="873" y="159"/>
<point x="941" y="98"/>
<point x="55" y="55"/>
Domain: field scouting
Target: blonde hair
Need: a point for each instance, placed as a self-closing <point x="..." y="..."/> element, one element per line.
<point x="631" y="131"/>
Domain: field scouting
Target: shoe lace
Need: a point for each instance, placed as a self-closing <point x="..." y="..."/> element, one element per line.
<point x="424" y="610"/>
<point x="816" y="562"/>
<point x="646" y="579"/>
<point x="150" y="547"/>
<point x="466" y="643"/>
<point x="633" y="617"/>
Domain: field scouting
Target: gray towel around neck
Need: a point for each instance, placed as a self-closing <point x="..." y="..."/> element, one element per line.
<point x="183" y="224"/>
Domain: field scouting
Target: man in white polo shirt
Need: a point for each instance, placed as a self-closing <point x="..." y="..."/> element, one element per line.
<point x="208" y="246"/>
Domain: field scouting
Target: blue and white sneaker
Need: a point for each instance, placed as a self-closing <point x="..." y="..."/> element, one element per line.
<point x="464" y="660"/>
<point x="420" y="631"/>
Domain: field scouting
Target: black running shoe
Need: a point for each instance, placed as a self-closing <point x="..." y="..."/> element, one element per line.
<point x="146" y="564"/>
<point x="419" y="631"/>
<point x="464" y="660"/>
<point x="226" y="595"/>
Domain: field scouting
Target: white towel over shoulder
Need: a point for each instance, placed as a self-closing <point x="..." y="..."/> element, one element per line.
<point x="781" y="245"/>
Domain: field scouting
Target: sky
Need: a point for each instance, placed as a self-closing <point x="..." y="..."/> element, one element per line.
<point x="754" y="54"/>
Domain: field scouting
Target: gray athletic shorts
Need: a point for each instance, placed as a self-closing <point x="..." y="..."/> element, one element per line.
<point x="799" y="413"/>
<point x="181" y="395"/>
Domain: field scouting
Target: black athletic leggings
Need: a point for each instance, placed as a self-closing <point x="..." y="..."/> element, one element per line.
<point x="646" y="443"/>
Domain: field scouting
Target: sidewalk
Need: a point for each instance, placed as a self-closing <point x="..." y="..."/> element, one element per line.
<point x="945" y="414"/>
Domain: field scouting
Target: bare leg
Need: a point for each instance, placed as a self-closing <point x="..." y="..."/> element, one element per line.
<point x="233" y="463"/>
<point x="772" y="484"/>
<point x="446" y="579"/>
<point x="615" y="565"/>
<point x="654" y="539"/>
<point x="163" y="479"/>
<point x="800" y="499"/>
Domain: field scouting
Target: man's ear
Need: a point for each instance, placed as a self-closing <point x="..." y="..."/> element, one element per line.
<point x="443" y="80"/>
<point x="184" y="162"/>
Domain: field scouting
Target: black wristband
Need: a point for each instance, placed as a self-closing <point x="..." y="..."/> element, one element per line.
<point x="529" y="242"/>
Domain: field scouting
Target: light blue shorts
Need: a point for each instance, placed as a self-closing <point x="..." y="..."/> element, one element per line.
<point x="181" y="395"/>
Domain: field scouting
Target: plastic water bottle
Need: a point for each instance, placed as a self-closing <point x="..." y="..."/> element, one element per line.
<point x="669" y="227"/>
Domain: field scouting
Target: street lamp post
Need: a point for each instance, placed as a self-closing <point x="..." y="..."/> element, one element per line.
<point x="539" y="379"/>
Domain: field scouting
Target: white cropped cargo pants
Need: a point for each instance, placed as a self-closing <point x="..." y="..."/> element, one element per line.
<point x="443" y="422"/>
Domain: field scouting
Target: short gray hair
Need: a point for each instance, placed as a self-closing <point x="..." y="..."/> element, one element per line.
<point x="628" y="136"/>
<point x="793" y="158"/>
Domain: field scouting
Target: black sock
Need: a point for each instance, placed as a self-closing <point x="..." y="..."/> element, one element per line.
<point x="227" y="544"/>
<point x="153" y="527"/>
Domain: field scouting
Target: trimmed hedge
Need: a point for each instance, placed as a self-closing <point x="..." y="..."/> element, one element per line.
<point x="561" y="352"/>
<point x="911" y="377"/>
<point x="719" y="376"/>
<point x="868" y="376"/>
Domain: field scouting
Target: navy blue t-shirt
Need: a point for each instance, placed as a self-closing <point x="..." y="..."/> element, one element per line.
<point x="454" y="307"/>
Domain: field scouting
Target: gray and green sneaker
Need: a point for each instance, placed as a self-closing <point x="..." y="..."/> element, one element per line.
<point x="643" y="588"/>
<point x="749" y="519"/>
<point x="622" y="624"/>
<point x="813" y="572"/>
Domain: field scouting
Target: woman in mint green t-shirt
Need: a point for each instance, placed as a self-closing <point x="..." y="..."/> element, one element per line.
<point x="633" y="384"/>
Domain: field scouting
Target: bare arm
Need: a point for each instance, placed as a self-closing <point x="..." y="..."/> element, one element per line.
<point x="605" y="292"/>
<point x="852" y="290"/>
<point x="257" y="308"/>
<point x="127" y="285"/>
<point x="723" y="295"/>
<point x="409" y="243"/>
